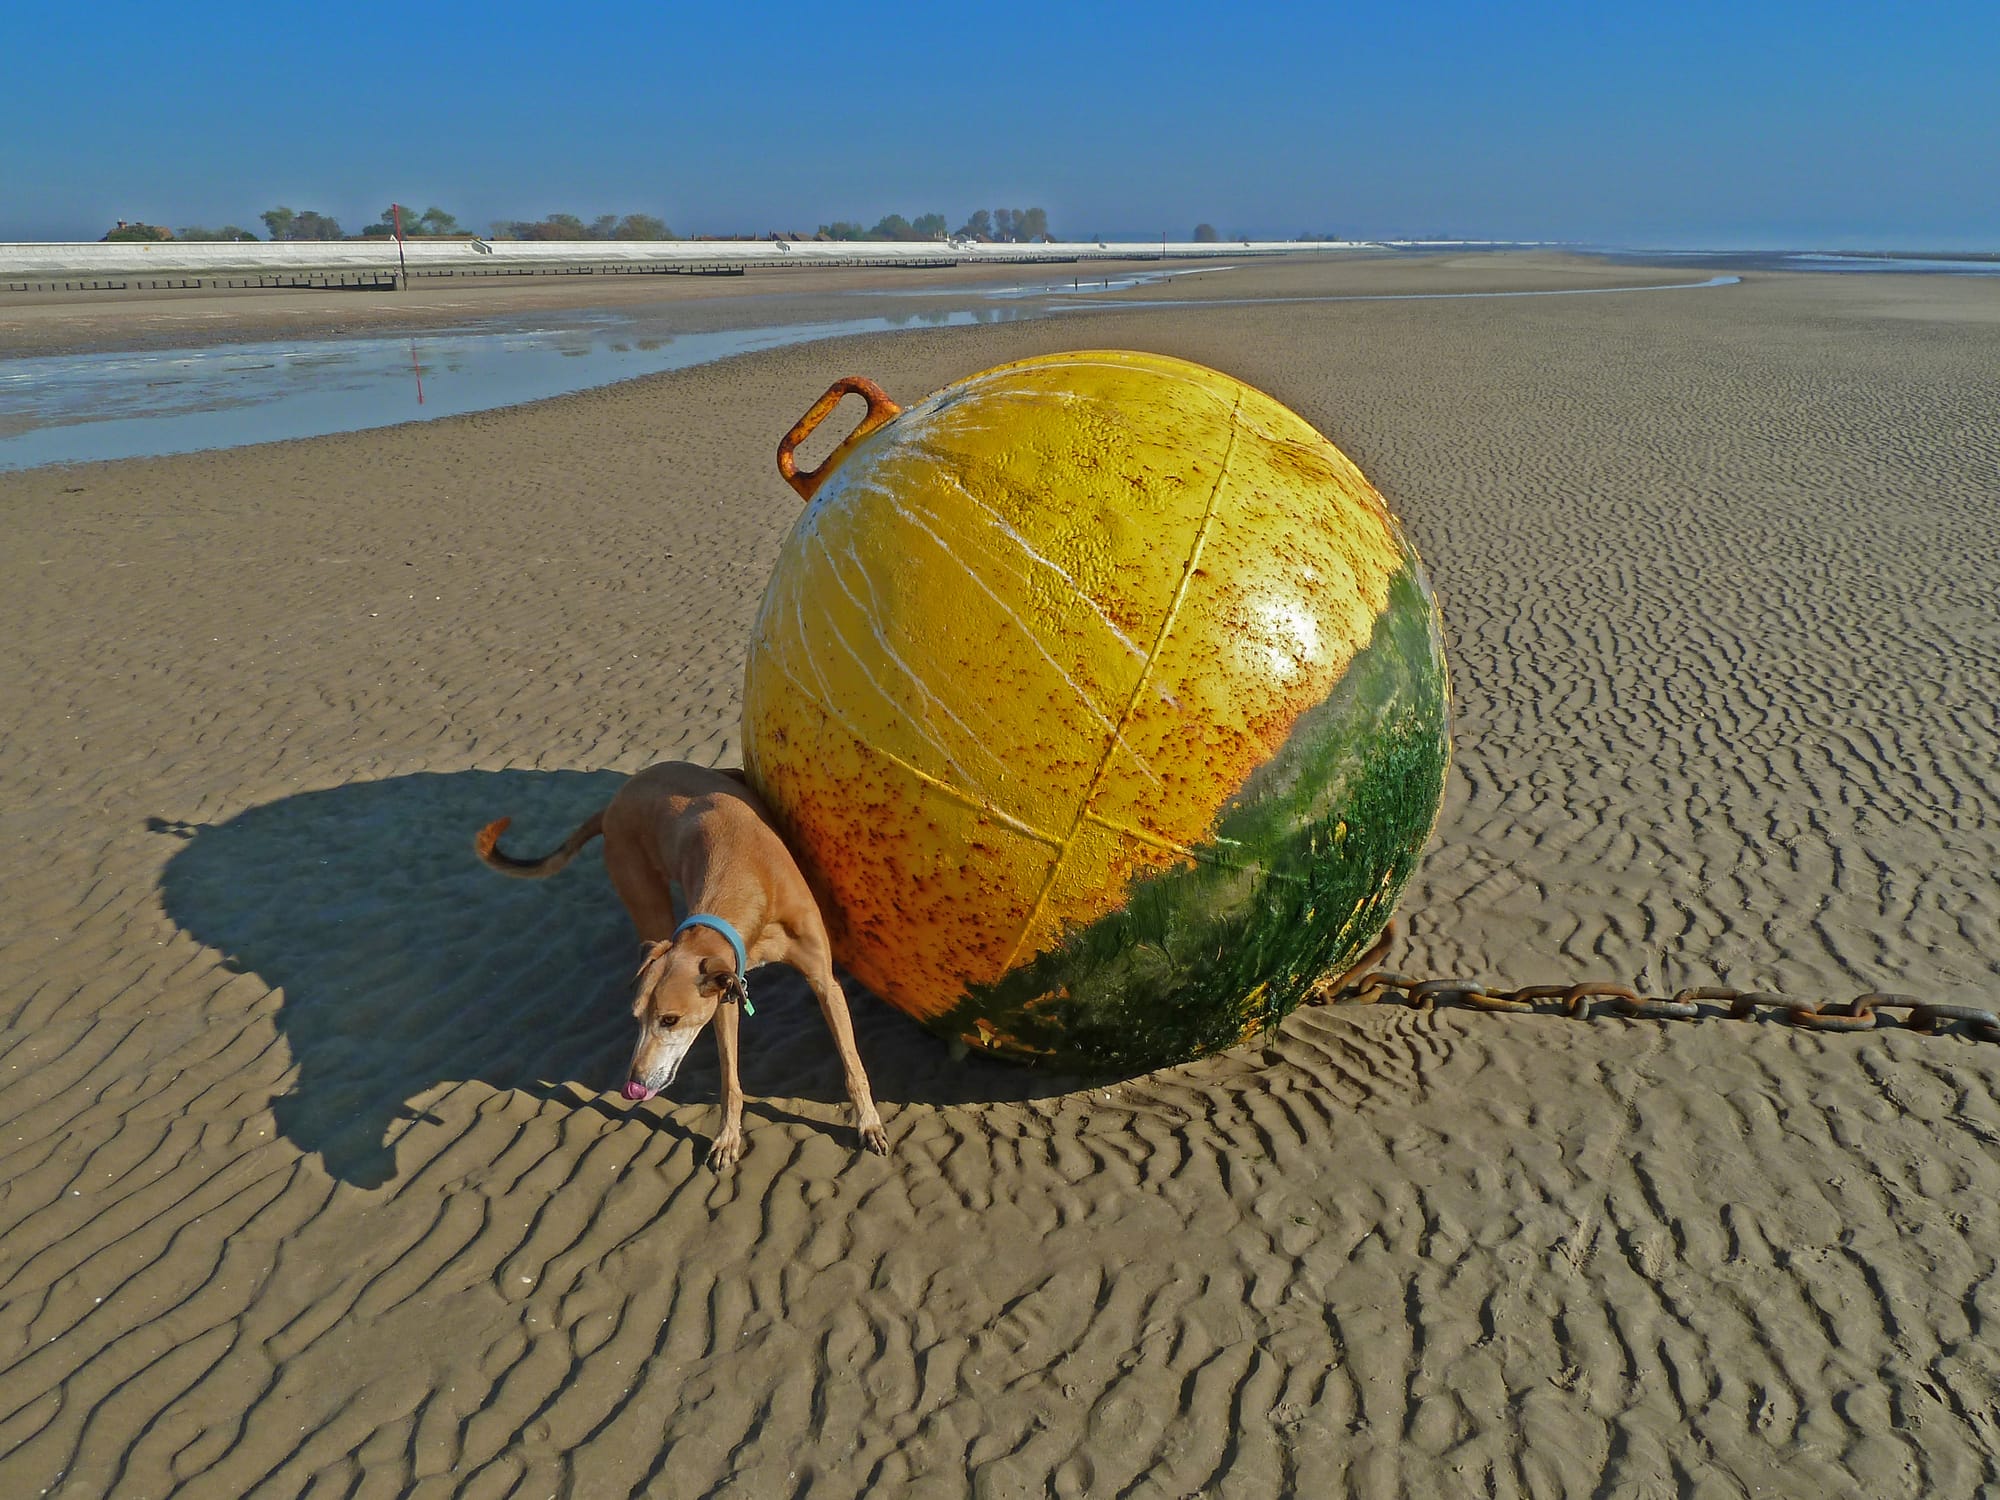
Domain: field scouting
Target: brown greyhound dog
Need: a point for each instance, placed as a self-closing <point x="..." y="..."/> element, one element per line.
<point x="747" y="905"/>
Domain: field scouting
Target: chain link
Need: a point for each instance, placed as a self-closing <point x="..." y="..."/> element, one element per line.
<point x="1365" y="984"/>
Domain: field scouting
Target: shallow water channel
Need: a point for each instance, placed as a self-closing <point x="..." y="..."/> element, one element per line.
<point x="71" y="408"/>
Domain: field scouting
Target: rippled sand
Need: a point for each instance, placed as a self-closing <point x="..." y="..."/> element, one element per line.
<point x="310" y="1182"/>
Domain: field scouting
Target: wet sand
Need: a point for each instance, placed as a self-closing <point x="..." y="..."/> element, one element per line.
<point x="78" y="322"/>
<point x="43" y="322"/>
<point x="311" y="1181"/>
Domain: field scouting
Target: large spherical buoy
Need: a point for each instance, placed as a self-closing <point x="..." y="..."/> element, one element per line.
<point x="1103" y="700"/>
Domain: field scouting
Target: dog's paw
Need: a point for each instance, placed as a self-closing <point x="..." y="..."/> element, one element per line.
<point x="726" y="1152"/>
<point x="875" y="1138"/>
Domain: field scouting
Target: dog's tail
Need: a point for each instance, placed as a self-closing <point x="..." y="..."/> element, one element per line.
<point x="534" y="869"/>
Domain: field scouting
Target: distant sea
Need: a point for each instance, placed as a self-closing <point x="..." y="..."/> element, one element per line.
<point x="1907" y="262"/>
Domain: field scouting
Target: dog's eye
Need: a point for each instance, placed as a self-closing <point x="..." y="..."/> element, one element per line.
<point x="668" y="1023"/>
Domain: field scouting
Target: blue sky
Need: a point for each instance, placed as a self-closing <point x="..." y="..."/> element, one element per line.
<point x="1700" y="125"/>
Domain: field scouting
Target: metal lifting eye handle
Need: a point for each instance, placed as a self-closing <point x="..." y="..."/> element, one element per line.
<point x="881" y="410"/>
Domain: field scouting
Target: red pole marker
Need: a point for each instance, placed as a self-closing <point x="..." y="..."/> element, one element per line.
<point x="396" y="212"/>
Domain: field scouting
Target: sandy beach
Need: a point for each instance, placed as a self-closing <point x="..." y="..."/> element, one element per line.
<point x="312" y="1176"/>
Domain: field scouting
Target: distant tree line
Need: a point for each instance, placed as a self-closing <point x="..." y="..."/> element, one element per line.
<point x="432" y="223"/>
<point x="890" y="227"/>
<point x="283" y="223"/>
<point x="1008" y="225"/>
<point x="570" y="227"/>
<point x="1011" y="225"/>
<point x="1001" y="225"/>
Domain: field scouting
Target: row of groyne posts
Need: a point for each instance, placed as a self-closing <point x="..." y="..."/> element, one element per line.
<point x="358" y="265"/>
<point x="346" y="281"/>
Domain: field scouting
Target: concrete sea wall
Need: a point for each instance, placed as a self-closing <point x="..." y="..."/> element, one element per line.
<point x="476" y="257"/>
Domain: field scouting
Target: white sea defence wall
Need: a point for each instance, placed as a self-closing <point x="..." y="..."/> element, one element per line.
<point x="268" y="257"/>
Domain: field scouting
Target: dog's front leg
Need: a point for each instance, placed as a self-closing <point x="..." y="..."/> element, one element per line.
<point x="833" y="1005"/>
<point x="728" y="1145"/>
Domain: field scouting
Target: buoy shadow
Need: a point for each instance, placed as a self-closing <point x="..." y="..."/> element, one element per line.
<point x="404" y="964"/>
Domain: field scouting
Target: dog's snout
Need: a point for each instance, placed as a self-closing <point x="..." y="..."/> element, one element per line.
<point x="657" y="1058"/>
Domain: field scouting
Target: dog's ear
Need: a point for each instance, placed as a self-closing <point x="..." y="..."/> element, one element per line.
<point x="734" y="986"/>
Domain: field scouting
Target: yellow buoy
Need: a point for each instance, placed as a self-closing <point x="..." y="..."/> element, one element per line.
<point x="1105" y="702"/>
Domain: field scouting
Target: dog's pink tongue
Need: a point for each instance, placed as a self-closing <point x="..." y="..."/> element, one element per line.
<point x="636" y="1090"/>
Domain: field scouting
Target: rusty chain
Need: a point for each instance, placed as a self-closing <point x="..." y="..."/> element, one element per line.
<point x="1365" y="984"/>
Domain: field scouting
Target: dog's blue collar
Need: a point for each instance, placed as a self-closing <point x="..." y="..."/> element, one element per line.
<point x="735" y="939"/>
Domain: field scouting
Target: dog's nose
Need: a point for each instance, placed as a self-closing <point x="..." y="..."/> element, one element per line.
<point x="636" y="1090"/>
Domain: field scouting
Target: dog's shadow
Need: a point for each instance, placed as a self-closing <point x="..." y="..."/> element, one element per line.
<point x="403" y="964"/>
